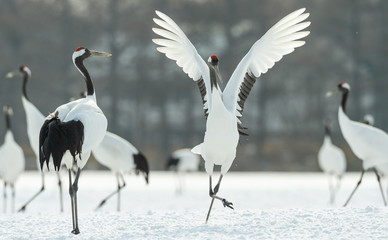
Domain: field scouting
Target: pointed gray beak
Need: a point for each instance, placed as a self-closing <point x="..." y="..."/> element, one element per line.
<point x="99" y="54"/>
<point x="329" y="93"/>
<point x="217" y="69"/>
<point x="13" y="74"/>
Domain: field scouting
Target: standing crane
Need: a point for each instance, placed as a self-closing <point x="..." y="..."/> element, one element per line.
<point x="35" y="119"/>
<point x="223" y="109"/>
<point x="332" y="161"/>
<point x="182" y="161"/>
<point x="77" y="127"/>
<point x="368" y="143"/>
<point x="120" y="156"/>
<point x="11" y="159"/>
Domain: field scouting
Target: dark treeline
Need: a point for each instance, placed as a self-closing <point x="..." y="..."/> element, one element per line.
<point x="150" y="101"/>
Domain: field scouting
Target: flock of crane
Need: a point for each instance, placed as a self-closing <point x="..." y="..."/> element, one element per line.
<point x="78" y="128"/>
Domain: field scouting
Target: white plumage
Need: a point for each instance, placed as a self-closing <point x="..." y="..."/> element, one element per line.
<point x="224" y="109"/>
<point x="331" y="158"/>
<point x="11" y="158"/>
<point x="116" y="153"/>
<point x="367" y="142"/>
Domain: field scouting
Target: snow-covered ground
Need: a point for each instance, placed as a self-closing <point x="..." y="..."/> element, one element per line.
<point x="267" y="206"/>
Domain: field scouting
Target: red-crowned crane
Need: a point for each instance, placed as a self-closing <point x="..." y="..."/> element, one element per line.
<point x="77" y="127"/>
<point x="223" y="109"/>
<point x="11" y="159"/>
<point x="368" y="143"/>
<point x="35" y="120"/>
<point x="332" y="161"/>
<point x="182" y="161"/>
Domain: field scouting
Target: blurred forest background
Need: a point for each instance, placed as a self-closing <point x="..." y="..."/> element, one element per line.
<point x="150" y="101"/>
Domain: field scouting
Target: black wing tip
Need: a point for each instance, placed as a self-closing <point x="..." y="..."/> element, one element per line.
<point x="56" y="138"/>
<point x="142" y="165"/>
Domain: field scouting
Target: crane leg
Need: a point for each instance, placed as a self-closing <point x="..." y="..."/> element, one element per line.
<point x="13" y="198"/>
<point x="214" y="196"/>
<point x="5" y="197"/>
<point x="381" y="188"/>
<point x="23" y="208"/>
<point x="73" y="189"/>
<point x="119" y="187"/>
<point x="354" y="190"/>
<point x="331" y="189"/>
<point x="60" y="191"/>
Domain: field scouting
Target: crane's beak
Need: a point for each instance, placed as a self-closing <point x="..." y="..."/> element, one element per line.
<point x="99" y="54"/>
<point x="13" y="74"/>
<point x="217" y="69"/>
<point x="329" y="93"/>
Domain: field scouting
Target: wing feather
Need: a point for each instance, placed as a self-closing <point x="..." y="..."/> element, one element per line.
<point x="176" y="46"/>
<point x="279" y="40"/>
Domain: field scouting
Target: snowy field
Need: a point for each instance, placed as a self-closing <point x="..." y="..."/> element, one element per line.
<point x="267" y="206"/>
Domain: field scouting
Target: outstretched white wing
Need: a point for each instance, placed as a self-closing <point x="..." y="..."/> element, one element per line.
<point x="176" y="46"/>
<point x="278" y="41"/>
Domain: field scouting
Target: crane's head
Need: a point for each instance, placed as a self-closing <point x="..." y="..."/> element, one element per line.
<point x="213" y="63"/>
<point x="7" y="109"/>
<point x="23" y="70"/>
<point x="83" y="53"/>
<point x="341" y="87"/>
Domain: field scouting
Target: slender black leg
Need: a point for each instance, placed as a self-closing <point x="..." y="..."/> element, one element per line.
<point x="119" y="187"/>
<point x="71" y="199"/>
<point x="13" y="197"/>
<point x="210" y="193"/>
<point x="214" y="196"/>
<point x="23" y="208"/>
<point x="381" y="188"/>
<point x="5" y="197"/>
<point x="354" y="190"/>
<point x="60" y="191"/>
<point x="73" y="195"/>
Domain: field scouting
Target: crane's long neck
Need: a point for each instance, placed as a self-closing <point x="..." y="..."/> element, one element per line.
<point x="25" y="80"/>
<point x="327" y="130"/>
<point x="7" y="121"/>
<point x="89" y="84"/>
<point x="213" y="79"/>
<point x="345" y="95"/>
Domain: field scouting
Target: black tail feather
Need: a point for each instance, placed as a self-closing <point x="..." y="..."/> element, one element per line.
<point x="172" y="163"/>
<point x="57" y="137"/>
<point x="141" y="165"/>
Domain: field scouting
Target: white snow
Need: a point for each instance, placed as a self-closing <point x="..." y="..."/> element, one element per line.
<point x="267" y="206"/>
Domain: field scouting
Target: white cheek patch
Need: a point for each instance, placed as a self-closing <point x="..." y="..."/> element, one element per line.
<point x="27" y="70"/>
<point x="209" y="59"/>
<point x="346" y="85"/>
<point x="77" y="54"/>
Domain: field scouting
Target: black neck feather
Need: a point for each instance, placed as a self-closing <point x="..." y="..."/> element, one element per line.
<point x="25" y="80"/>
<point x="345" y="95"/>
<point x="7" y="121"/>
<point x="89" y="84"/>
<point x="327" y="130"/>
